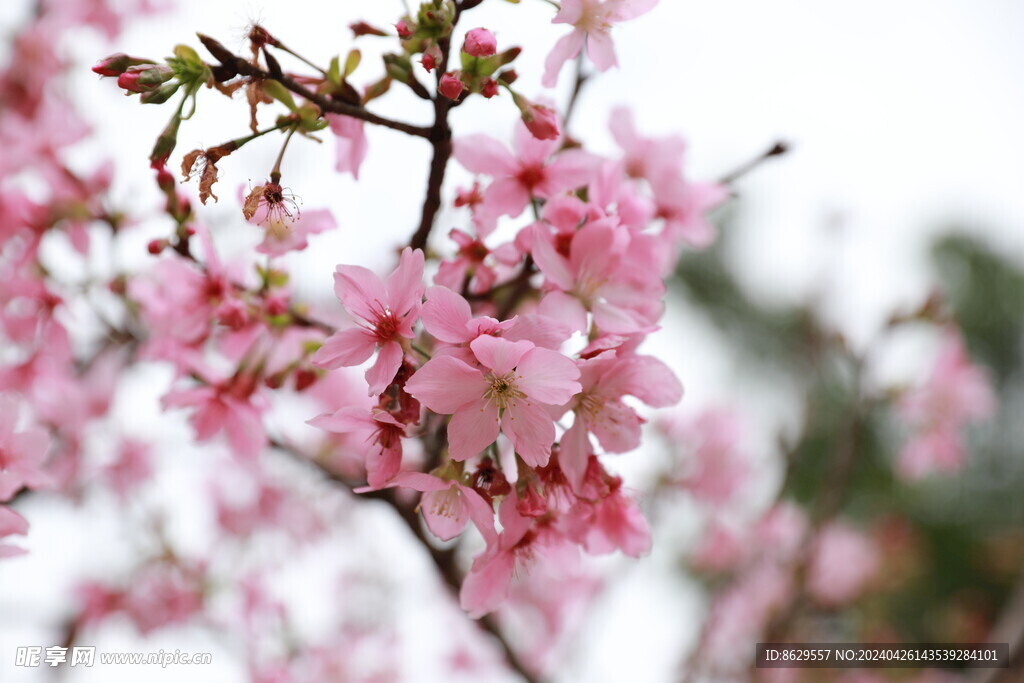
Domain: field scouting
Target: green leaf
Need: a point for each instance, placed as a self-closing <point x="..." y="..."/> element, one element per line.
<point x="352" y="62"/>
<point x="334" y="71"/>
<point x="279" y="93"/>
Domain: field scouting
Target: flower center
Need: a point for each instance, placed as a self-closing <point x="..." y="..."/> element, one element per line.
<point x="531" y="176"/>
<point x="503" y="390"/>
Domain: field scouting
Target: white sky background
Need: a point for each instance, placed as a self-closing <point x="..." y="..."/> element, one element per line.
<point x="902" y="116"/>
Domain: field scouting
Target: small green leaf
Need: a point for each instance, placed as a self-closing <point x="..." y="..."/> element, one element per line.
<point x="352" y="62"/>
<point x="334" y="71"/>
<point x="279" y="93"/>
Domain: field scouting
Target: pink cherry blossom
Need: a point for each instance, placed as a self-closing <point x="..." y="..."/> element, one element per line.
<point x="229" y="406"/>
<point x="386" y="311"/>
<point x="956" y="394"/>
<point x="600" y="410"/>
<point x="282" y="234"/>
<point x="533" y="172"/>
<point x="448" y="506"/>
<point x="513" y="390"/>
<point x="598" y="275"/>
<point x="21" y="453"/>
<point x="352" y="145"/>
<point x="379" y="435"/>
<point x="843" y="561"/>
<point x="592" y="22"/>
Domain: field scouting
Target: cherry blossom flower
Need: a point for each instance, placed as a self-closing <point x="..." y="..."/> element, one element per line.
<point x="531" y="173"/>
<point x="513" y="390"/>
<point x="283" y="235"/>
<point x="600" y="410"/>
<point x="600" y="274"/>
<point x="379" y="435"/>
<point x="956" y="394"/>
<point x="387" y="311"/>
<point x="843" y="561"/>
<point x="448" y="506"/>
<point x="21" y="453"/>
<point x="230" y="406"/>
<point x="592" y="22"/>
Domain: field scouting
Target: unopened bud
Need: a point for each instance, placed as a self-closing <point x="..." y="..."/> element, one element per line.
<point x="117" y="64"/>
<point x="540" y="120"/>
<point x="480" y="43"/>
<point x="144" y="77"/>
<point x="159" y="95"/>
<point x="404" y="30"/>
<point x="156" y="246"/>
<point x="490" y="88"/>
<point x="431" y="57"/>
<point x="361" y="28"/>
<point x="450" y="86"/>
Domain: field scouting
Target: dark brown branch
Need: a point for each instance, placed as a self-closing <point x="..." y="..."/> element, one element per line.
<point x="778" y="149"/>
<point x="443" y="558"/>
<point x="233" y="65"/>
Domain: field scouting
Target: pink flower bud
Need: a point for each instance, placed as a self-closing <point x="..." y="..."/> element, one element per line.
<point x="431" y="58"/>
<point x="542" y="121"/>
<point x="144" y="77"/>
<point x="490" y="88"/>
<point x="117" y="64"/>
<point x="404" y="31"/>
<point x="156" y="246"/>
<point x="451" y="86"/>
<point x="480" y="43"/>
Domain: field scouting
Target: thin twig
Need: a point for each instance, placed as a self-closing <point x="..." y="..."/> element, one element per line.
<point x="235" y="65"/>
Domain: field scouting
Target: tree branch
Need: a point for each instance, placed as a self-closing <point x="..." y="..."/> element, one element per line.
<point x="234" y="65"/>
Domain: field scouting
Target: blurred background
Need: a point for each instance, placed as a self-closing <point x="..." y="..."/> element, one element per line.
<point x="795" y="336"/>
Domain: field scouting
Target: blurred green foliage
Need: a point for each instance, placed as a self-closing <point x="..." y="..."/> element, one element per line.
<point x="956" y="543"/>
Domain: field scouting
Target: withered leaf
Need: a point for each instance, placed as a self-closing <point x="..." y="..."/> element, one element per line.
<point x="188" y="162"/>
<point x="252" y="202"/>
<point x="206" y="181"/>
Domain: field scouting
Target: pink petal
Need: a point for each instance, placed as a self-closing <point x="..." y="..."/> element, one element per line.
<point x="473" y="428"/>
<point x="352" y="145"/>
<point x="445" y="384"/>
<point x="630" y="9"/>
<point x="486" y="585"/>
<point x="500" y="355"/>
<point x="484" y="155"/>
<point x="532" y="151"/>
<point x="601" y="50"/>
<point x="345" y="421"/>
<point x="383" y="371"/>
<point x="405" y="284"/>
<point x="554" y="266"/>
<point x="573" y="453"/>
<point x="360" y="291"/>
<point x="565" y="308"/>
<point x="647" y="378"/>
<point x="548" y="377"/>
<point x="504" y="197"/>
<point x="531" y="430"/>
<point x="11" y="522"/>
<point x="567" y="47"/>
<point x="482" y="514"/>
<point x="445" y="512"/>
<point x="571" y="169"/>
<point x="345" y="348"/>
<point x="446" y="315"/>
<point x="617" y="428"/>
<point x="244" y="428"/>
